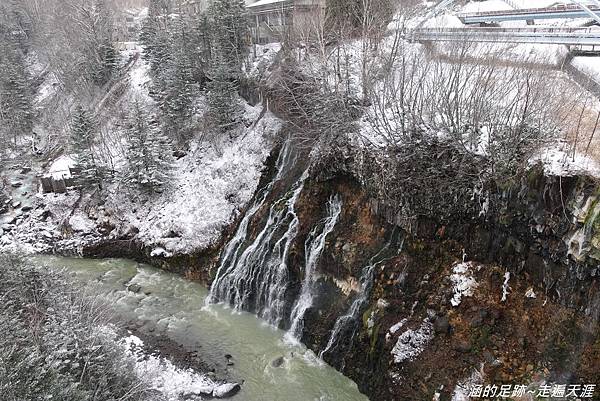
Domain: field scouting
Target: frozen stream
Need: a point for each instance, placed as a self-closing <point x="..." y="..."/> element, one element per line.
<point x="172" y="306"/>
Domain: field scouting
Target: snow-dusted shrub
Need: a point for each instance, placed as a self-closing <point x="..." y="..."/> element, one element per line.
<point x="52" y="345"/>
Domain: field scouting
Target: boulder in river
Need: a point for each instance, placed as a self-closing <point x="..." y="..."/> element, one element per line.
<point x="202" y="391"/>
<point x="135" y="288"/>
<point x="277" y="362"/>
<point x="226" y="390"/>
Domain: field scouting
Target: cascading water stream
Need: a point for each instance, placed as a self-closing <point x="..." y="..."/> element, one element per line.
<point x="351" y="317"/>
<point x="233" y="248"/>
<point x="313" y="248"/>
<point x="256" y="280"/>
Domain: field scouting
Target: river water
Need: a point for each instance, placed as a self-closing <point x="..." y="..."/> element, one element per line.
<point x="172" y="306"/>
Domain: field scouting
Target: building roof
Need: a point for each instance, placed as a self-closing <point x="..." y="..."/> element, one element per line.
<point x="265" y="3"/>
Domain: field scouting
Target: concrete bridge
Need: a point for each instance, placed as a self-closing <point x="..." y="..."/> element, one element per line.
<point x="589" y="37"/>
<point x="529" y="14"/>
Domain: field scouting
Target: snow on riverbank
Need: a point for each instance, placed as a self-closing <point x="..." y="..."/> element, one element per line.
<point x="162" y="375"/>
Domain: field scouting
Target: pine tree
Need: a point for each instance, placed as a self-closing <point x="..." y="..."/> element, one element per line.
<point x="230" y="31"/>
<point x="16" y="97"/>
<point x="230" y="28"/>
<point x="104" y="61"/>
<point x="83" y="133"/>
<point x="224" y="110"/>
<point x="148" y="152"/>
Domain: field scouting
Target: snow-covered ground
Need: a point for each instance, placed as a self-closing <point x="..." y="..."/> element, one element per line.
<point x="588" y="65"/>
<point x="559" y="161"/>
<point x="211" y="185"/>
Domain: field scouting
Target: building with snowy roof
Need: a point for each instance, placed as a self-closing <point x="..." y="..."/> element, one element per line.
<point x="272" y="20"/>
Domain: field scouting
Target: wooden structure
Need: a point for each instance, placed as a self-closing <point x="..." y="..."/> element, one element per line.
<point x="271" y="20"/>
<point x="52" y="183"/>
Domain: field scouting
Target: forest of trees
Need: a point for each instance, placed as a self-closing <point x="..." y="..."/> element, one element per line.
<point x="325" y="83"/>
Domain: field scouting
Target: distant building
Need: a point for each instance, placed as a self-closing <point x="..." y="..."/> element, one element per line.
<point x="194" y="7"/>
<point x="126" y="26"/>
<point x="271" y="20"/>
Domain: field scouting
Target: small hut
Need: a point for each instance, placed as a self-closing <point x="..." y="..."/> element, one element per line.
<point x="60" y="175"/>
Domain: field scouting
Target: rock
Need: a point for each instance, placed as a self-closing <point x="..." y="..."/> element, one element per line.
<point x="16" y="204"/>
<point x="135" y="288"/>
<point x="277" y="362"/>
<point x="226" y="390"/>
<point x="16" y="184"/>
<point x="205" y="390"/>
<point x="489" y="358"/>
<point x="25" y="170"/>
<point x="463" y="346"/>
<point x="441" y="325"/>
<point x="26" y="208"/>
<point x="7" y="227"/>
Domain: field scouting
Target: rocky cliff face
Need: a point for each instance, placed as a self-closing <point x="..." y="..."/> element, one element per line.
<point x="504" y="293"/>
<point x="508" y="296"/>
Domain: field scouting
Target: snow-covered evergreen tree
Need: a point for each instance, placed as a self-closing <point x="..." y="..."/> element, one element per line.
<point x="83" y="133"/>
<point x="104" y="58"/>
<point x="230" y="31"/>
<point x="224" y="111"/>
<point x="148" y="152"/>
<point x="16" y="111"/>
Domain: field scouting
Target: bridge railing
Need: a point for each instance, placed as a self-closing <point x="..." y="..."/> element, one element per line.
<point x="548" y="10"/>
<point x="587" y="31"/>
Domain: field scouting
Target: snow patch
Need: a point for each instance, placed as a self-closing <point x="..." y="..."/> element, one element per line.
<point x="463" y="282"/>
<point x="505" y="287"/>
<point x="560" y="162"/>
<point x="463" y="388"/>
<point x="530" y="293"/>
<point x="80" y="222"/>
<point x="60" y="168"/>
<point x="412" y="342"/>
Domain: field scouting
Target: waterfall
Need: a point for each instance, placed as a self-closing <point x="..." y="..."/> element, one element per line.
<point x="313" y="248"/>
<point x="352" y="315"/>
<point x="255" y="279"/>
<point x="233" y="248"/>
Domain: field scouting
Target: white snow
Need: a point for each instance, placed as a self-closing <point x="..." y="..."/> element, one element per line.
<point x="412" y="342"/>
<point x="263" y="3"/>
<point x="60" y="167"/>
<point x="485" y="6"/>
<point x="463" y="282"/>
<point x="162" y="375"/>
<point x="505" y="287"/>
<point x="394" y="329"/>
<point x="463" y="388"/>
<point x="588" y="65"/>
<point x="530" y="293"/>
<point x="559" y="161"/>
<point x="81" y="222"/>
<point x="210" y="187"/>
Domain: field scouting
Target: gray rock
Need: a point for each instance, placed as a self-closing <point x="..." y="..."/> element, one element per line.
<point x="16" y="184"/>
<point x="16" y="204"/>
<point x="135" y="288"/>
<point x="226" y="390"/>
<point x="201" y="391"/>
<point x="441" y="325"/>
<point x="463" y="346"/>
<point x="26" y="208"/>
<point x="277" y="362"/>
